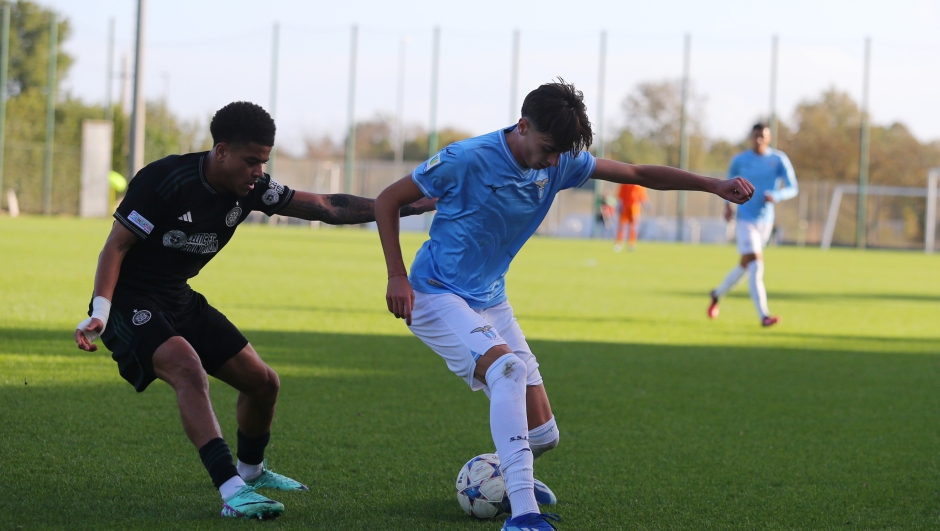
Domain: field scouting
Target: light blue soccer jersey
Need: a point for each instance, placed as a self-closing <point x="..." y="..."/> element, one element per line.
<point x="488" y="206"/>
<point x="770" y="172"/>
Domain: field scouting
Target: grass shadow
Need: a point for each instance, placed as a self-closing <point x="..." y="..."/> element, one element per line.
<point x="741" y="292"/>
<point x="658" y="436"/>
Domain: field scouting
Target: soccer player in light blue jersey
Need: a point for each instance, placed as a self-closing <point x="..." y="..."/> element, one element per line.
<point x="772" y="175"/>
<point x="492" y="193"/>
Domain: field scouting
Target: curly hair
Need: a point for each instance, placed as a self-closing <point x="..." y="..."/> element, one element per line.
<point x="558" y="109"/>
<point x="242" y="122"/>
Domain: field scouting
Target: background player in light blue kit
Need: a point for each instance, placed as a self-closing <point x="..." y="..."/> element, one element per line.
<point x="772" y="175"/>
<point x="493" y="192"/>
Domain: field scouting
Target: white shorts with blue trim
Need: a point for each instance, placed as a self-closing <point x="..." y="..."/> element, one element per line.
<point x="461" y="334"/>
<point x="752" y="236"/>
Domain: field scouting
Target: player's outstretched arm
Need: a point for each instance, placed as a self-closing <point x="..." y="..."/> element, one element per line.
<point x="106" y="276"/>
<point x="399" y="296"/>
<point x="343" y="209"/>
<point x="736" y="190"/>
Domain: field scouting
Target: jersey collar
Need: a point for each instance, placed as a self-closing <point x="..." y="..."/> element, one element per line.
<point x="202" y="176"/>
<point x="508" y="152"/>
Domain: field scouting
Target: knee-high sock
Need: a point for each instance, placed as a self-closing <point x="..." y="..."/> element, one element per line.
<point x="506" y="379"/>
<point x="543" y="438"/>
<point x="755" y="280"/>
<point x="621" y="231"/>
<point x="632" y="233"/>
<point x="730" y="281"/>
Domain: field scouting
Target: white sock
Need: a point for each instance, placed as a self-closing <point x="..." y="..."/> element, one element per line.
<point x="730" y="281"/>
<point x="543" y="438"/>
<point x="230" y="487"/>
<point x="506" y="379"/>
<point x="755" y="279"/>
<point x="249" y="472"/>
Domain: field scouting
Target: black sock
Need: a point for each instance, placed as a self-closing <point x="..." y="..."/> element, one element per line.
<point x="251" y="449"/>
<point x="217" y="458"/>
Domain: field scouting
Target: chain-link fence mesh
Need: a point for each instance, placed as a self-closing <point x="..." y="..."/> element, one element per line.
<point x="23" y="170"/>
<point x="893" y="222"/>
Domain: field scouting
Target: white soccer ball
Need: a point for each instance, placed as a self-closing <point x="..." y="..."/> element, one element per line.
<point x="481" y="490"/>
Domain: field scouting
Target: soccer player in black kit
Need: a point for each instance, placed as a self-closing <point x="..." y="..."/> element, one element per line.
<point x="179" y="212"/>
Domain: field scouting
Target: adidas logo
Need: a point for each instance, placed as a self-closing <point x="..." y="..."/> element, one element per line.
<point x="186" y="217"/>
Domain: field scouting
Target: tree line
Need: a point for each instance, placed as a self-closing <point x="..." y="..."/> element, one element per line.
<point x="821" y="135"/>
<point x="27" y="85"/>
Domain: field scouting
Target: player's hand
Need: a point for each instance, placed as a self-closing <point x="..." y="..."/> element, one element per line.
<point x="729" y="212"/>
<point x="769" y="197"/>
<point x="82" y="333"/>
<point x="425" y="204"/>
<point x="400" y="297"/>
<point x="737" y="190"/>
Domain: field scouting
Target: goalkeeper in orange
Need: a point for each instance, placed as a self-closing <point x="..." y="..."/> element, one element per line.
<point x="631" y="197"/>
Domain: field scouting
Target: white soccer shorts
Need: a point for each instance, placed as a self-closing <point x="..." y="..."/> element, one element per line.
<point x="461" y="334"/>
<point x="752" y="236"/>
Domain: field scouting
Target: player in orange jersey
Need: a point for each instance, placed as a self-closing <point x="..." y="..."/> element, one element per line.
<point x="631" y="197"/>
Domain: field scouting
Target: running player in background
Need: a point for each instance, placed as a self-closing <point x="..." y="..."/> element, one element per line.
<point x="774" y="180"/>
<point x="493" y="191"/>
<point x="632" y="197"/>
<point x="179" y="212"/>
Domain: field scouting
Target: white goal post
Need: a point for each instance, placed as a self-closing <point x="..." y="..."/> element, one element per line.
<point x="930" y="193"/>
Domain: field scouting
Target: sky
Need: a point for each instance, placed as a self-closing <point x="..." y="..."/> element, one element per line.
<point x="202" y="54"/>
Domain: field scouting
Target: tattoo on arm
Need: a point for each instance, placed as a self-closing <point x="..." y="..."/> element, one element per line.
<point x="343" y="209"/>
<point x="349" y="210"/>
<point x="339" y="200"/>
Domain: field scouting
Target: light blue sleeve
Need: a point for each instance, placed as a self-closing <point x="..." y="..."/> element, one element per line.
<point x="733" y="170"/>
<point x="787" y="176"/>
<point x="578" y="169"/>
<point x="733" y="167"/>
<point x="441" y="173"/>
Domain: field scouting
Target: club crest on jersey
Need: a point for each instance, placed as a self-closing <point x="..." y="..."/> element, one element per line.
<point x="541" y="184"/>
<point x="487" y="331"/>
<point x="273" y="194"/>
<point x="140" y="317"/>
<point x="270" y="197"/>
<point x="232" y="217"/>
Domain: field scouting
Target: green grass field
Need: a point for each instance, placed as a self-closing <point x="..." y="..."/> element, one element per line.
<point x="669" y="421"/>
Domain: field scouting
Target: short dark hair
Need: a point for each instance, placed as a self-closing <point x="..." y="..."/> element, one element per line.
<point x="558" y="109"/>
<point x="242" y="122"/>
<point x="760" y="126"/>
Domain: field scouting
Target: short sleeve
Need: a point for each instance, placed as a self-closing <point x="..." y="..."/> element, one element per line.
<point x="270" y="196"/>
<point x="577" y="170"/>
<point x="439" y="174"/>
<point x="142" y="209"/>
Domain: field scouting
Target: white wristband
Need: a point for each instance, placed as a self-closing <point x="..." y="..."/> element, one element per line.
<point x="101" y="310"/>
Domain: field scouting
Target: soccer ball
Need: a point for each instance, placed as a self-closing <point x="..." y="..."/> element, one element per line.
<point x="481" y="490"/>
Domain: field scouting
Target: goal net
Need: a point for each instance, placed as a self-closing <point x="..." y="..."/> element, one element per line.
<point x="895" y="195"/>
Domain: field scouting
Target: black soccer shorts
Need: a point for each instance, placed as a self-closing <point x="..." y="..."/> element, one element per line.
<point x="139" y="324"/>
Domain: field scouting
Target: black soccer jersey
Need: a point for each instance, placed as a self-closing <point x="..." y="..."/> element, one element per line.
<point x="182" y="222"/>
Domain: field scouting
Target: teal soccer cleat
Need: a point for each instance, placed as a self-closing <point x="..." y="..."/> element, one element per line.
<point x="248" y="504"/>
<point x="532" y="522"/>
<point x="543" y="494"/>
<point x="272" y="480"/>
